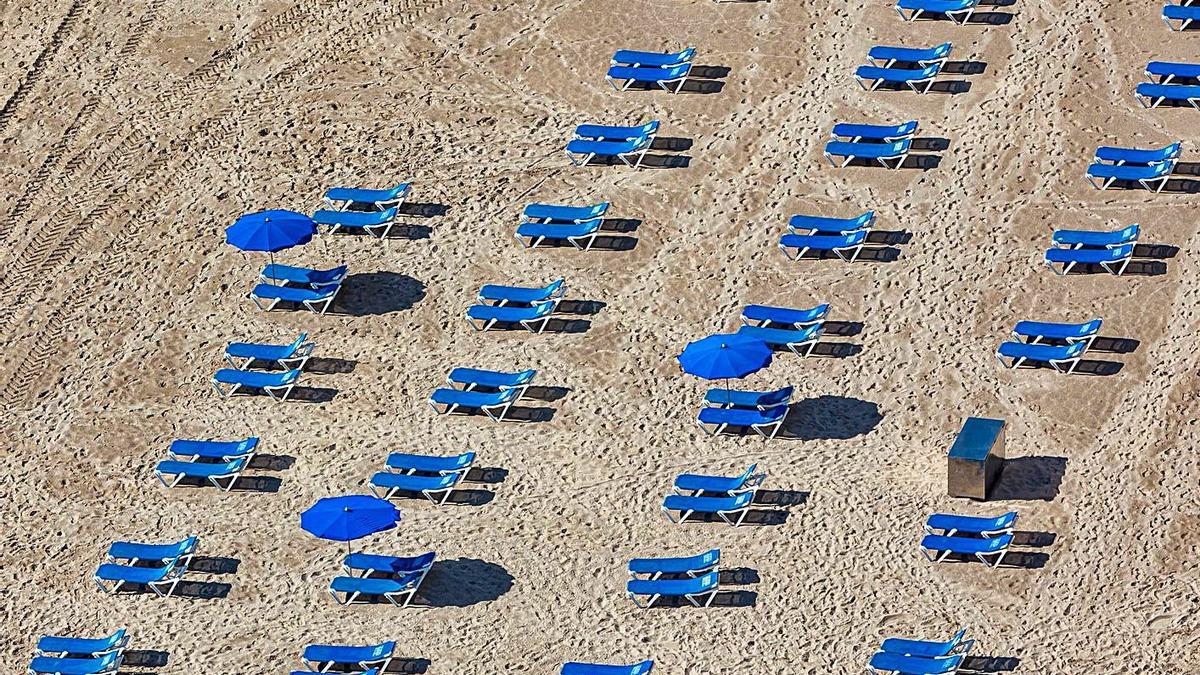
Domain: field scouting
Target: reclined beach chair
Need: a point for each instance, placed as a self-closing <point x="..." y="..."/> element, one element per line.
<point x="882" y="133"/>
<point x="430" y="464"/>
<point x="1153" y="95"/>
<point x="799" y="342"/>
<point x="594" y="140"/>
<point x="303" y="276"/>
<point x="161" y="580"/>
<point x="929" y="649"/>
<point x="322" y="658"/>
<point x="534" y="318"/>
<point x="669" y="78"/>
<point x="920" y="80"/>
<point x="1153" y="177"/>
<point x="1113" y="260"/>
<point x="886" y="57"/>
<point x="1058" y="356"/>
<point x="316" y="301"/>
<point x="1186" y="15"/>
<point x="579" y="235"/>
<point x="1097" y="238"/>
<point x="731" y="509"/>
<point x="633" y="57"/>
<point x="605" y="132"/>
<point x="786" y="317"/>
<point x="560" y="214"/>
<point x="949" y="524"/>
<point x="844" y="246"/>
<point x="289" y="357"/>
<point x="764" y="422"/>
<point x="696" y="484"/>
<point x="732" y="398"/>
<point x="1168" y="71"/>
<point x="801" y="224"/>
<point x="277" y="385"/>
<point x="385" y="485"/>
<point x="131" y="553"/>
<point x="399" y="592"/>
<point x="358" y="199"/>
<point x="468" y="379"/>
<point x="699" y="591"/>
<point x="691" y="566"/>
<point x="224" y="450"/>
<point x="576" y="668"/>
<point x="202" y="471"/>
<point x="1137" y="156"/>
<point x="937" y="547"/>
<point x="899" y="664"/>
<point x="1037" y="332"/>
<point x="376" y="223"/>
<point x="958" y="11"/>
<point x="366" y="564"/>
<point x="493" y="404"/>
<point x="503" y="295"/>
<point x="889" y="155"/>
<point x="53" y="665"/>
<point x="62" y="646"/>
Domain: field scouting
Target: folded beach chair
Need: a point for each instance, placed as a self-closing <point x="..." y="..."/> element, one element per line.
<point x="365" y="564"/>
<point x="1037" y="332"/>
<point x="731" y="509"/>
<point x="732" y="398"/>
<point x="950" y="524"/>
<point x="1168" y="71"/>
<point x="1185" y="15"/>
<point x="468" y="379"/>
<point x="161" y="580"/>
<point x="822" y="225"/>
<point x="696" y="484"/>
<point x="1153" y="177"/>
<point x="691" y="566"/>
<point x="316" y="301"/>
<point x="937" y="547"/>
<point x="929" y="649"/>
<point x="386" y="484"/>
<point x="52" y="665"/>
<point x="503" y="295"/>
<point x="765" y="422"/>
<point x="377" y="223"/>
<point x="699" y="591"/>
<point x="1113" y="260"/>
<point x="223" y="450"/>
<point x="1153" y="95"/>
<point x="958" y="11"/>
<point x="670" y="78"/>
<point x="277" y="385"/>
<point x="534" y="318"/>
<point x="322" y="658"/>
<point x="203" y="471"/>
<point x="61" y="646"/>
<point x="343" y="198"/>
<point x="887" y="57"/>
<point x="430" y="464"/>
<point x="1137" y="156"/>
<point x="1097" y="238"/>
<point x="576" y="668"/>
<point x="633" y="57"/>
<point x="493" y="404"/>
<point x="303" y="276"/>
<point x="889" y="155"/>
<point x="399" y="592"/>
<point x="563" y="214"/>
<point x="1058" y="356"/>
<point x="883" y="133"/>
<point x="844" y="246"/>
<point x="787" y="317"/>
<point x="289" y="357"/>
<point x="919" y="80"/>
<point x="579" y="235"/>
<point x="899" y="664"/>
<point x="799" y="342"/>
<point x="131" y="553"/>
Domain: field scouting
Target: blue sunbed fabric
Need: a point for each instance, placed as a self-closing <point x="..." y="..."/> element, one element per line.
<point x="732" y="398"/>
<point x="886" y="662"/>
<point x="698" y="483"/>
<point x="402" y="461"/>
<point x="694" y="564"/>
<point x="577" y="668"/>
<point x="921" y="56"/>
<point x="521" y="294"/>
<point x="1097" y="239"/>
<point x="633" y="57"/>
<point x="785" y="316"/>
<point x="875" y="132"/>
<point x="51" y="645"/>
<point x="948" y="523"/>
<point x="472" y="377"/>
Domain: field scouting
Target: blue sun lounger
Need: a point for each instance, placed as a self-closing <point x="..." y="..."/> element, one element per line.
<point x="929" y="649"/>
<point x="563" y="214"/>
<point x="289" y="357"/>
<point x="503" y="295"/>
<point x="799" y="342"/>
<point x="131" y="553"/>
<point x="699" y="591"/>
<point x="801" y="224"/>
<point x="894" y="152"/>
<point x="202" y="471"/>
<point x="376" y="223"/>
<point x="1036" y="332"/>
<point x="344" y="198"/>
<point x="316" y="301"/>
<point x="633" y="57"/>
<point x="323" y="657"/>
<point x="845" y="246"/>
<point x="534" y="318"/>
<point x="303" y="276"/>
<point x="1153" y="177"/>
<point x="787" y="317"/>
<point x="583" y="151"/>
<point x="949" y="524"/>
<point x="399" y="592"/>
<point x="670" y="78"/>
<point x="883" y="133"/>
<point x="53" y="665"/>
<point x="697" y="483"/>
<point x="577" y="668"/>
<point x="1137" y="156"/>
<point x="199" y="449"/>
<point x="61" y="646"/>
<point x="1058" y="356"/>
<point x="365" y="564"/>
<point x="277" y="385"/>
<point x="883" y="663"/>
<point x="604" y="132"/>
<point x="1185" y="15"/>
<point x="937" y="547"/>
<point x="732" y="398"/>
<point x="430" y="464"/>
<point x="469" y="378"/>
<point x="1097" y="238"/>
<point x="958" y="11"/>
<point x="579" y="235"/>
<point x="386" y="484"/>
<point x="920" y="80"/>
<point x="765" y="422"/>
<point x="161" y="580"/>
<point x="1168" y="71"/>
<point x="1113" y="260"/>
<point x="691" y="566"/>
<point x="887" y="57"/>
<point x="493" y="404"/>
<point x="1153" y="95"/>
<point x="731" y="509"/>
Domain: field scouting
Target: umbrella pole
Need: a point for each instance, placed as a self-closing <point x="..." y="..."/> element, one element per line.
<point x="272" y="253"/>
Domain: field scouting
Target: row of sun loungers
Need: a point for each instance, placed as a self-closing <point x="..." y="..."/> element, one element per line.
<point x="313" y="289"/>
<point x="920" y="67"/>
<point x="726" y="497"/>
<point x="887" y="144"/>
<point x="958" y="11"/>
<point x="1184" y="13"/>
<point x="1112" y="251"/>
<point x="904" y="656"/>
<point x="669" y="71"/>
<point x="159" y="567"/>
<point x="844" y="237"/>
<point x="370" y="211"/>
<point x="1177" y="83"/>
<point x="68" y="655"/>
<point x="394" y="579"/>
<point x="986" y="539"/>
<point x="1149" y="168"/>
<point x="488" y="391"/>
<point x="1061" y="345"/>
<point x="577" y="225"/>
<point x="624" y="143"/>
<point x="427" y="475"/>
<point x="371" y="659"/>
<point x="530" y="308"/>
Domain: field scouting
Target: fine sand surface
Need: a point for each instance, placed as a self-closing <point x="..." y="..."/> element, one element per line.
<point x="132" y="133"/>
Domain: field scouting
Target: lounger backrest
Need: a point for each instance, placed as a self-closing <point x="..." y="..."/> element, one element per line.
<point x="748" y="472"/>
<point x="296" y="344"/>
<point x="650" y="128"/>
<point x="907" y="128"/>
<point x="686" y="55"/>
<point x="382" y="651"/>
<point x="247" y="444"/>
<point x="1130" y="233"/>
<point x="943" y="49"/>
<point x="1090" y="327"/>
<point x="552" y="287"/>
<point x="465" y="459"/>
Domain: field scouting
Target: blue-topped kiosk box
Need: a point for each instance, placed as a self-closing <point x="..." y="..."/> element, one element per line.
<point x="976" y="458"/>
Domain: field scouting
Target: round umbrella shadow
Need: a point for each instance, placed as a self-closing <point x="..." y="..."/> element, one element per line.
<point x="464" y="582"/>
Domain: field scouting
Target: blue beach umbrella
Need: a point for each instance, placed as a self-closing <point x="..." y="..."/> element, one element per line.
<point x="349" y="517"/>
<point x="270" y="231"/>
<point x="724" y="356"/>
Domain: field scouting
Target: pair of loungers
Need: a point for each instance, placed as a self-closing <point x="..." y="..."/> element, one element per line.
<point x="577" y="225"/>
<point x="1060" y="345"/>
<point x="762" y="412"/>
<point x="431" y="476"/>
<point x="1177" y="83"/>
<point x="278" y="385"/>
<point x="906" y="656"/>
<point x="159" y="567"/>
<point x="490" y="392"/>
<point x="1112" y="251"/>
<point x="627" y="144"/>
<point x="844" y="237"/>
<point x="669" y="70"/>
<point x="902" y="66"/>
<point x="984" y="538"/>
<point x="695" y="578"/>
<point x="367" y="659"/>
<point x="218" y="463"/>
<point x="312" y="289"/>
<point x="394" y="579"/>
<point x="1149" y="168"/>
<point x="958" y="11"/>
<point x="888" y="145"/>
<point x="361" y="209"/>
<point x="1185" y="13"/>
<point x="68" y="655"/>
<point x="725" y="497"/>
<point x="530" y="308"/>
<point x="576" y="668"/>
